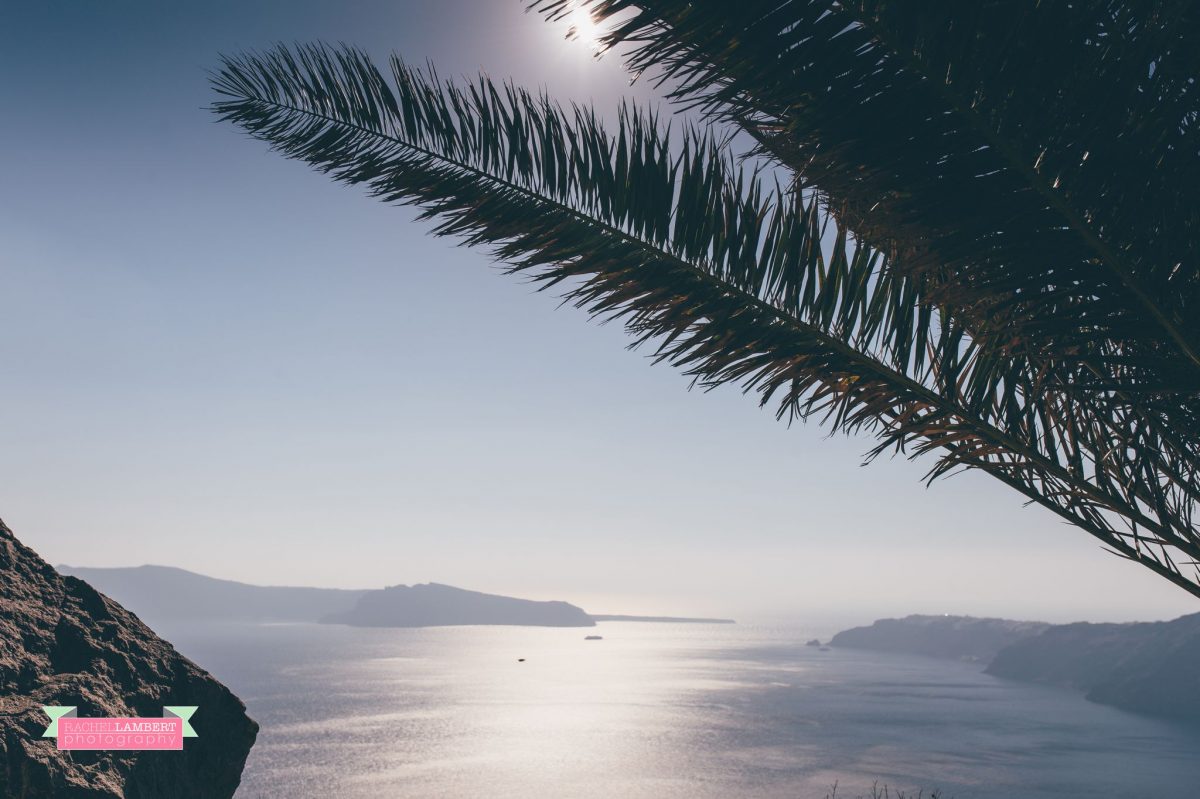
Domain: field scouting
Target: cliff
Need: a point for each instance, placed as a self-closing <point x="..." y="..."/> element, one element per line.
<point x="1146" y="667"/>
<point x="432" y="605"/>
<point x="62" y="643"/>
<point x="961" y="637"/>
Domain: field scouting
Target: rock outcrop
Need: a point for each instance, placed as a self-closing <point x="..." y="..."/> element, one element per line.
<point x="63" y="643"/>
<point x="434" y="605"/>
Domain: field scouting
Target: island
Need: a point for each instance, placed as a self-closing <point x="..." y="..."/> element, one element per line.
<point x="437" y="605"/>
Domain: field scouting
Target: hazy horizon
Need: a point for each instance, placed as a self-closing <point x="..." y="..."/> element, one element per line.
<point x="828" y="620"/>
<point x="218" y="360"/>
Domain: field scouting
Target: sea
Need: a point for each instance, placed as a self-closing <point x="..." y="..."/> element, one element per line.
<point x="661" y="711"/>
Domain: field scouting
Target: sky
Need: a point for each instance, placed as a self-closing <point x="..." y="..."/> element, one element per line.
<point x="216" y="359"/>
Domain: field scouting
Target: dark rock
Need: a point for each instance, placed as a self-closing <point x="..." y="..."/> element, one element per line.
<point x="63" y="643"/>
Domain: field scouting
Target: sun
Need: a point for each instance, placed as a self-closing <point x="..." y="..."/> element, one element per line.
<point x="583" y="28"/>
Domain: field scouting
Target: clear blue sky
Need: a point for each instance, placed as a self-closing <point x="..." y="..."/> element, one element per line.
<point x="215" y="359"/>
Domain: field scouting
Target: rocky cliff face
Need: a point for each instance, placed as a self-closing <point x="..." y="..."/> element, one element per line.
<point x="961" y="637"/>
<point x="1147" y="667"/>
<point x="62" y="643"/>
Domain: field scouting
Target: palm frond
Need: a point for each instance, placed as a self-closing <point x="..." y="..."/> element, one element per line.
<point x="722" y="273"/>
<point x="1032" y="163"/>
<point x="1038" y="159"/>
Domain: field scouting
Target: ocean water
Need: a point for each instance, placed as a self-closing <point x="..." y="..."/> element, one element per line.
<point x="660" y="711"/>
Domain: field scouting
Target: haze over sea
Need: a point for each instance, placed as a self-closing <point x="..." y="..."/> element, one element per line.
<point x="655" y="711"/>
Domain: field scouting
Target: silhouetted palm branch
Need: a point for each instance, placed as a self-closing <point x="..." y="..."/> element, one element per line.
<point x="1014" y="144"/>
<point x="1031" y="164"/>
<point x="724" y="274"/>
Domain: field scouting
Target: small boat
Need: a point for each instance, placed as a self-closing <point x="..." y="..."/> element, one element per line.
<point x="593" y="637"/>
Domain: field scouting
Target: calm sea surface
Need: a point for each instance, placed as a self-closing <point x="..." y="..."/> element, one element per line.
<point x="660" y="711"/>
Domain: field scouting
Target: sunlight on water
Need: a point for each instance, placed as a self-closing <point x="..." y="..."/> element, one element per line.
<point x="658" y="710"/>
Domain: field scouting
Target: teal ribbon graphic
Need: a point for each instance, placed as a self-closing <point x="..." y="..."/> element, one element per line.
<point x="181" y="712"/>
<point x="56" y="712"/>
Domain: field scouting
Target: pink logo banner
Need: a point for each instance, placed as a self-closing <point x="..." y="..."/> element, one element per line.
<point x="120" y="733"/>
<point x="123" y="734"/>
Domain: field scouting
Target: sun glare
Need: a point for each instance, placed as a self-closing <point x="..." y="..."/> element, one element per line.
<point x="583" y="28"/>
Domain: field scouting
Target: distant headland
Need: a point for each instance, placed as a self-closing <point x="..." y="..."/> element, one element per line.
<point x="1146" y="667"/>
<point x="436" y="605"/>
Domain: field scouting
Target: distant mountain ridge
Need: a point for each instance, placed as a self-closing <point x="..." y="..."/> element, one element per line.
<point x="166" y="593"/>
<point x="1146" y="667"/>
